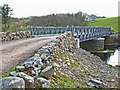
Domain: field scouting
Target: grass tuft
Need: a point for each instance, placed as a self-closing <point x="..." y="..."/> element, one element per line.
<point x="7" y="74"/>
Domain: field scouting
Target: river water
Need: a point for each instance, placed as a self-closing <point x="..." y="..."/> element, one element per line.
<point x="110" y="58"/>
<point x="114" y="58"/>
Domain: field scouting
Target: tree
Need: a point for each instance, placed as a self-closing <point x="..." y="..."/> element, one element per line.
<point x="6" y="12"/>
<point x="77" y="19"/>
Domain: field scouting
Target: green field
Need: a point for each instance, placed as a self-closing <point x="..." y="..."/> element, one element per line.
<point x="111" y="22"/>
<point x="17" y="24"/>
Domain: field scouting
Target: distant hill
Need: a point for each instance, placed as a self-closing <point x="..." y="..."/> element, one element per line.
<point x="112" y="22"/>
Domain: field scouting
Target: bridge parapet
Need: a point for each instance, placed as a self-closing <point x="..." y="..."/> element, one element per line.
<point x="82" y="32"/>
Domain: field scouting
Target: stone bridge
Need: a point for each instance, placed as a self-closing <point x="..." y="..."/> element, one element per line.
<point x="84" y="33"/>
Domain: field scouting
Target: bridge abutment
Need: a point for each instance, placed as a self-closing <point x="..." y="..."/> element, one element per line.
<point x="93" y="45"/>
<point x="111" y="41"/>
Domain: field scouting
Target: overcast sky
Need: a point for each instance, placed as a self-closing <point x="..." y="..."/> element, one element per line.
<point x="25" y="8"/>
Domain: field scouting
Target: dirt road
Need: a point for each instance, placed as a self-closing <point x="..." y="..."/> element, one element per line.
<point x="14" y="52"/>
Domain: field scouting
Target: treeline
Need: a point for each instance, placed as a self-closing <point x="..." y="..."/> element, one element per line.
<point x="77" y="19"/>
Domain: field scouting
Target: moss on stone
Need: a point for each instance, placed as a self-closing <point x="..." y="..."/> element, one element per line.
<point x="62" y="81"/>
<point x="61" y="54"/>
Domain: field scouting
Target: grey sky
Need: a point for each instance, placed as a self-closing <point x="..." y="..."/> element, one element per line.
<point x="24" y="8"/>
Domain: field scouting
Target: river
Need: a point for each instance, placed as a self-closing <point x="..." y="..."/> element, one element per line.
<point x="114" y="58"/>
<point x="110" y="58"/>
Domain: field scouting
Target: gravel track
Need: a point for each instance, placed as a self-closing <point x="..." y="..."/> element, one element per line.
<point x="14" y="52"/>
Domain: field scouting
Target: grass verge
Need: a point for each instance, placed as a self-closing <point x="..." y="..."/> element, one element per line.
<point x="7" y="74"/>
<point x="107" y="22"/>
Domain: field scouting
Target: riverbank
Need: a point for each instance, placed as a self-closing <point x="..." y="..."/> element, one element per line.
<point x="60" y="64"/>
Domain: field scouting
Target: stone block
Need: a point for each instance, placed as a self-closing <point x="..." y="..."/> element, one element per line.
<point x="11" y="82"/>
<point x="20" y="68"/>
<point x="13" y="73"/>
<point x="44" y="82"/>
<point x="29" y="81"/>
<point x="96" y="83"/>
<point x="48" y="71"/>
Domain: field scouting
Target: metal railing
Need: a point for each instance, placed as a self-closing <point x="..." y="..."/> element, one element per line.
<point x="84" y="33"/>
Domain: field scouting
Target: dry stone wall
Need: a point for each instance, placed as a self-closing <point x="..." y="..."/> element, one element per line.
<point x="35" y="71"/>
<point x="8" y="36"/>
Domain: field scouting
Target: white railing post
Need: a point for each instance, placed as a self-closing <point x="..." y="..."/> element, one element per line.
<point x="78" y="43"/>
